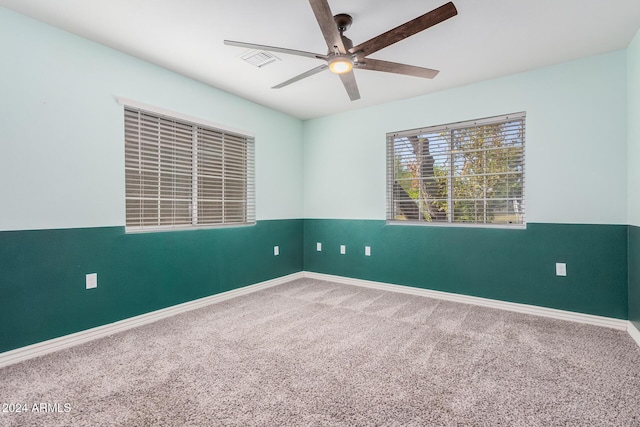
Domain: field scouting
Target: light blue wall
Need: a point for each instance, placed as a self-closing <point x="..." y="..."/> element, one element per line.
<point x="633" y="129"/>
<point x="61" y="129"/>
<point x="61" y="132"/>
<point x="575" y="154"/>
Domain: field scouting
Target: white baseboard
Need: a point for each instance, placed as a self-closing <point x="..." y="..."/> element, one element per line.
<point x="608" y="322"/>
<point x="634" y="332"/>
<point x="49" y="346"/>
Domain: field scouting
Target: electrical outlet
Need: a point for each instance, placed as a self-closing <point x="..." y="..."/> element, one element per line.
<point x="276" y="250"/>
<point x="561" y="269"/>
<point x="91" y="281"/>
<point x="367" y="251"/>
<point x="343" y="249"/>
<point x="319" y="247"/>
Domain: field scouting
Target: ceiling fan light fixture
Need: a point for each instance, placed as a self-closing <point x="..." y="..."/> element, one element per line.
<point x="342" y="56"/>
<point x="340" y="64"/>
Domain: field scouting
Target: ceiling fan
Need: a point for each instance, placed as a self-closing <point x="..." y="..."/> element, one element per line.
<point x="342" y="56"/>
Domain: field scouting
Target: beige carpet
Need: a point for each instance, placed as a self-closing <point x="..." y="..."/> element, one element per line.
<point x="318" y="353"/>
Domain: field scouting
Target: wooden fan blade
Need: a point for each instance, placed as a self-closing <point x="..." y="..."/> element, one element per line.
<point x="275" y="49"/>
<point x="405" y="30"/>
<point x="302" y="76"/>
<point x="349" y="82"/>
<point x="328" y="26"/>
<point x="394" y="67"/>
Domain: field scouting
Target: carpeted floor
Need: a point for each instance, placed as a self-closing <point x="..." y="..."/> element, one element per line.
<point x="318" y="353"/>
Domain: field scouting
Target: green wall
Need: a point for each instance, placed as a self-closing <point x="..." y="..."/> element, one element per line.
<point x="42" y="279"/>
<point x="502" y="264"/>
<point x="633" y="178"/>
<point x="634" y="275"/>
<point x="43" y="276"/>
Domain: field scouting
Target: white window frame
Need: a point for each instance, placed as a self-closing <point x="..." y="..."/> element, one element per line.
<point x="234" y="174"/>
<point x="411" y="209"/>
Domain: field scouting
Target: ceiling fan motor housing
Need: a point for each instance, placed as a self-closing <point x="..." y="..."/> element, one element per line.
<point x="343" y="21"/>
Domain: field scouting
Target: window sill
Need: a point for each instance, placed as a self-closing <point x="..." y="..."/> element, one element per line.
<point x="457" y="225"/>
<point x="138" y="230"/>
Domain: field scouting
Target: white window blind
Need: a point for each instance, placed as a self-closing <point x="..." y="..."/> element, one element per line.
<point x="181" y="174"/>
<point x="461" y="173"/>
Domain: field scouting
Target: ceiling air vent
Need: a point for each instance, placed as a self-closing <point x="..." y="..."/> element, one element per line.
<point x="259" y="58"/>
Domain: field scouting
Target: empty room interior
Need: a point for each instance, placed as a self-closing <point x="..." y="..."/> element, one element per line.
<point x="205" y="220"/>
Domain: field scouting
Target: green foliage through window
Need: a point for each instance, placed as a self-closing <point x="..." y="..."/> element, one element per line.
<point x="470" y="172"/>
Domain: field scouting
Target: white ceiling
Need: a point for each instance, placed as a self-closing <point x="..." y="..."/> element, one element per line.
<point x="487" y="39"/>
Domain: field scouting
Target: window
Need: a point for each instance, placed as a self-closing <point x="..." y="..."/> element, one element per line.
<point x="182" y="174"/>
<point x="461" y="173"/>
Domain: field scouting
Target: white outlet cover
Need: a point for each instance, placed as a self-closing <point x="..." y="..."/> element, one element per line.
<point x="561" y="269"/>
<point x="92" y="280"/>
<point x="343" y="249"/>
<point x="276" y="250"/>
<point x="319" y="247"/>
<point x="367" y="251"/>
